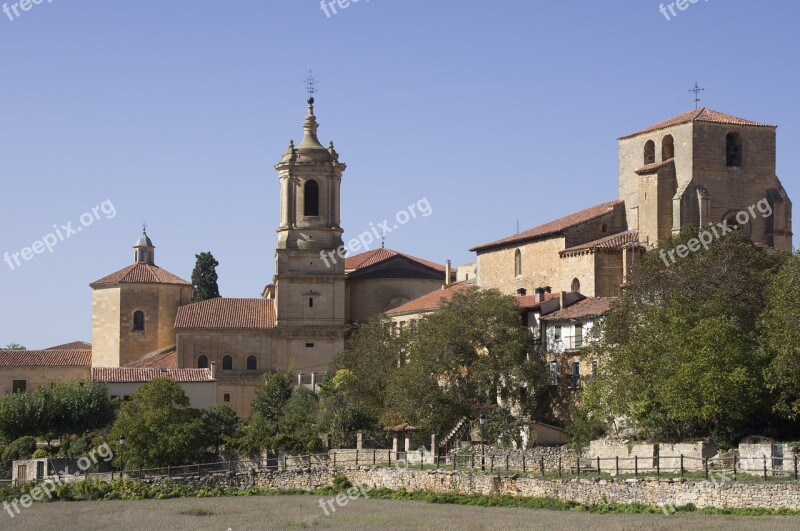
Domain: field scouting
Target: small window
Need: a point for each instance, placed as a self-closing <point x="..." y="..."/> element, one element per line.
<point x="667" y="148"/>
<point x="557" y="332"/>
<point x="650" y="152"/>
<point x="226" y="397"/>
<point x="576" y="374"/>
<point x="309" y="345"/>
<point x="576" y="285"/>
<point x="138" y="322"/>
<point x="252" y="363"/>
<point x="311" y="302"/>
<point x="578" y="335"/>
<point x="227" y="363"/>
<point x="202" y="362"/>
<point x="518" y="263"/>
<point x="19" y="386"/>
<point x="733" y="150"/>
<point x="605" y="228"/>
<point x="311" y="199"/>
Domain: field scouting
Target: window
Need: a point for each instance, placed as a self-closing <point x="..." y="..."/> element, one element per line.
<point x="594" y="368"/>
<point x="311" y="302"/>
<point x="311" y="199"/>
<point x="733" y="150"/>
<point x="650" y="152"/>
<point x="202" y="362"/>
<point x="518" y="263"/>
<point x="557" y="332"/>
<point x="309" y="345"/>
<point x="226" y="397"/>
<point x="576" y="285"/>
<point x="667" y="148"/>
<point x="578" y="335"/>
<point x="252" y="363"/>
<point x="553" y="372"/>
<point x="138" y="322"/>
<point x="19" y="386"/>
<point x="227" y="363"/>
<point x="40" y="470"/>
<point x="576" y="374"/>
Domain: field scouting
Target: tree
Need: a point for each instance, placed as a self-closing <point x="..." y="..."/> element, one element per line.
<point x="221" y="424"/>
<point x="298" y="430"/>
<point x="272" y="398"/>
<point x="160" y="428"/>
<point x="26" y="414"/>
<point x="13" y="346"/>
<point x="204" y="277"/>
<point x="679" y="354"/>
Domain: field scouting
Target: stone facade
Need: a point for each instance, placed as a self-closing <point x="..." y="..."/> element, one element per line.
<point x="34" y="376"/>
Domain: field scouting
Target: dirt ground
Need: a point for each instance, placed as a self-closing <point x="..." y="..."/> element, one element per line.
<point x="299" y="512"/>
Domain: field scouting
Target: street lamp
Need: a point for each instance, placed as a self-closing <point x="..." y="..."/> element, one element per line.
<point x="482" y="420"/>
<point x="121" y="442"/>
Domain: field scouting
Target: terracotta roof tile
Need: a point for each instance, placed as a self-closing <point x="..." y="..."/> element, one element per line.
<point x="554" y="227"/>
<point x="653" y="168"/>
<point x="142" y="274"/>
<point x="431" y="301"/>
<point x="528" y="302"/>
<point x="615" y="241"/>
<point x="75" y="345"/>
<point x="46" y="358"/>
<point x="370" y="258"/>
<point x="161" y="359"/>
<point x="134" y="375"/>
<point x="227" y="314"/>
<point x="699" y="115"/>
<point x="589" y="307"/>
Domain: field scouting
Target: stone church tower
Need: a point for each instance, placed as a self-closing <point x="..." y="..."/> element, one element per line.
<point x="310" y="291"/>
<point x="704" y="167"/>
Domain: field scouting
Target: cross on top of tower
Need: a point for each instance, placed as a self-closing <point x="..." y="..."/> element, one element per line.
<point x="696" y="90"/>
<point x="144" y="227"/>
<point x="311" y="84"/>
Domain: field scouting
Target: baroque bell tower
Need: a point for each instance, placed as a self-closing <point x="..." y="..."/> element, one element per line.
<point x="309" y="285"/>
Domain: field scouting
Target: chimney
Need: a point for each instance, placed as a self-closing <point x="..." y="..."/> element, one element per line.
<point x="447" y="279"/>
<point x="538" y="295"/>
<point x="548" y="289"/>
<point x="213" y="370"/>
<point x="563" y="300"/>
<point x="522" y="292"/>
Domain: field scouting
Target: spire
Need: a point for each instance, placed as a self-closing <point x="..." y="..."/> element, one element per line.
<point x="144" y="249"/>
<point x="310" y="140"/>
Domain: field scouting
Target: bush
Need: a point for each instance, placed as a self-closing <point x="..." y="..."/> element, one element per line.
<point x="21" y="448"/>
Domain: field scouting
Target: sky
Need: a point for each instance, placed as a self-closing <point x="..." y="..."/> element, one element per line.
<point x="490" y="113"/>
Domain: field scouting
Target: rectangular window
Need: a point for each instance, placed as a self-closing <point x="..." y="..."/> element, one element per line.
<point x="578" y="335"/>
<point x="553" y="372"/>
<point x="39" y="470"/>
<point x="226" y="397"/>
<point x="311" y="302"/>
<point x="557" y="332"/>
<point x="19" y="386"/>
<point x="576" y="374"/>
<point x="309" y="345"/>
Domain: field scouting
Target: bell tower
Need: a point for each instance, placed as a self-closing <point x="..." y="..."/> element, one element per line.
<point x="309" y="273"/>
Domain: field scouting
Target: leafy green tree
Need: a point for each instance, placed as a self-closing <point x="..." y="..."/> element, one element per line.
<point x="221" y="424"/>
<point x="298" y="429"/>
<point x="160" y="428"/>
<point x="271" y="399"/>
<point x="80" y="407"/>
<point x="21" y="448"/>
<point x="204" y="277"/>
<point x="13" y="346"/>
<point x="26" y="414"/>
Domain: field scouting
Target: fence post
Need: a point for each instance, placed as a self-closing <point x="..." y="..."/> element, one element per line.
<point x="705" y="466"/>
<point x="421" y="460"/>
<point x="616" y="466"/>
<point x="356" y="457"/>
<point x="765" y="468"/>
<point x="523" y="464"/>
<point x="390" y="457"/>
<point x="636" y="466"/>
<point x="598" y="465"/>
<point x="374" y="456"/>
<point x="506" y="462"/>
<point x="472" y="460"/>
<point x="734" y="468"/>
<point x="169" y="471"/>
<point x="286" y="462"/>
<point x="334" y="460"/>
<point x="455" y="458"/>
<point x="541" y="464"/>
<point x="795" y="467"/>
<point x="559" y="466"/>
<point x="681" y="465"/>
<point x="578" y="467"/>
<point x="491" y="464"/>
<point x="658" y="464"/>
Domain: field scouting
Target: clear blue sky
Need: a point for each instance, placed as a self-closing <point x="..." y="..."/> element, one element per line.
<point x="177" y="111"/>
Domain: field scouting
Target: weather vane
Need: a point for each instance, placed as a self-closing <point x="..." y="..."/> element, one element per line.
<point x="697" y="90"/>
<point x="311" y="84"/>
<point x="144" y="226"/>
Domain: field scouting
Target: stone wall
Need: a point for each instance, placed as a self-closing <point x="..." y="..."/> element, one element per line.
<point x="552" y="456"/>
<point x="643" y="455"/>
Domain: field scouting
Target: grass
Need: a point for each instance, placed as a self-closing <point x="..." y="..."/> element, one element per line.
<point x="197" y="511"/>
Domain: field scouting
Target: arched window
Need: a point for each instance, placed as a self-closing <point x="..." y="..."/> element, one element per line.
<point x="650" y="152"/>
<point x="667" y="148"/>
<point x="202" y="362"/>
<point x="517" y="263"/>
<point x="311" y="199"/>
<point x="252" y="363"/>
<point x="138" y="321"/>
<point x="227" y="363"/>
<point x="733" y="150"/>
<point x="576" y="285"/>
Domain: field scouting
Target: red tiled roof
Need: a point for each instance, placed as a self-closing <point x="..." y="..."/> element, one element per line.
<point x="553" y="227"/>
<point x="46" y="358"/>
<point x="654" y="167"/>
<point x="615" y="241"/>
<point x="227" y="314"/>
<point x="161" y="359"/>
<point x="699" y="115"/>
<point x="142" y="274"/>
<point x="589" y="307"/>
<point x="431" y="301"/>
<point x="527" y="302"/>
<point x="75" y="345"/>
<point x="370" y="258"/>
<point x="134" y="375"/>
